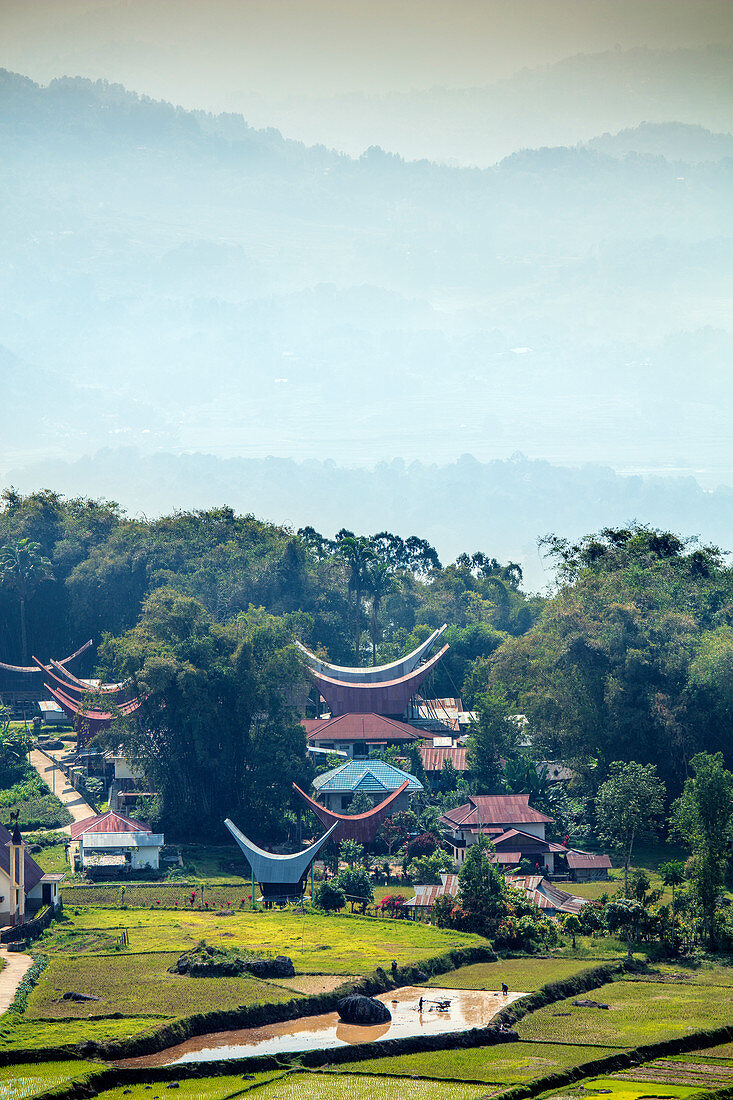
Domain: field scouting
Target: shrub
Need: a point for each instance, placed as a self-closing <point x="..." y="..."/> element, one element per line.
<point x="329" y="897"/>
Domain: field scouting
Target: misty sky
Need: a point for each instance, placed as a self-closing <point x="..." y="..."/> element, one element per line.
<point x="217" y="55"/>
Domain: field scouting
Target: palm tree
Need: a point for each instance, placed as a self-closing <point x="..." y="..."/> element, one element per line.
<point x="358" y="554"/>
<point x="380" y="581"/>
<point x="23" y="567"/>
<point x="673" y="874"/>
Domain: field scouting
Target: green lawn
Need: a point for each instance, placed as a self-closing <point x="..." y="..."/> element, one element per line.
<point x="504" y="1064"/>
<point x="30" y="1078"/>
<point x="139" y="985"/>
<point x="526" y="975"/>
<point x="640" y="1012"/>
<point x="316" y="943"/>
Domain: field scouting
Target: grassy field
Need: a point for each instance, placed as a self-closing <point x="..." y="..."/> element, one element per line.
<point x="53" y="858"/>
<point x="30" y="1078"/>
<point x="316" y="943"/>
<point x="18" y="1033"/>
<point x="526" y="975"/>
<point x="139" y="985"/>
<point x="620" y="1089"/>
<point x="505" y="1064"/>
<point x="203" y="1088"/>
<point x="704" y="973"/>
<point x="151" y="895"/>
<point x="317" y="1086"/>
<point x="639" y="1012"/>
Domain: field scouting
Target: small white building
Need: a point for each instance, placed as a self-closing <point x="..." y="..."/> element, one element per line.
<point x="114" y="840"/>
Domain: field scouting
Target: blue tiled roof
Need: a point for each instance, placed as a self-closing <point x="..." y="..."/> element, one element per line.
<point x="365" y="775"/>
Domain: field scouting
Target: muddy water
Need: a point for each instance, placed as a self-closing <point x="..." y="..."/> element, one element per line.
<point x="468" y="1008"/>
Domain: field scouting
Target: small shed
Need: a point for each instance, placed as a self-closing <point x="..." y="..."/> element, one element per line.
<point x="114" y="840"/>
<point x="586" y="867"/>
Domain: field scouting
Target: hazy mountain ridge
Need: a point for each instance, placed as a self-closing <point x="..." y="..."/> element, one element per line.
<point x="258" y="295"/>
<point x="501" y="507"/>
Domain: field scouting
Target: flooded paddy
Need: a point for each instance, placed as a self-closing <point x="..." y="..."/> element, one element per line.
<point x="468" y="1008"/>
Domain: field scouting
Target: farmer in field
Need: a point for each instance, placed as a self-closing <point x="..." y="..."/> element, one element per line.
<point x="505" y="989"/>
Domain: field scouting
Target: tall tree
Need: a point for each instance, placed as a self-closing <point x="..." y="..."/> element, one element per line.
<point x="628" y="804"/>
<point x="23" y="567"/>
<point x="358" y="555"/>
<point x="491" y="737"/>
<point x="701" y="820"/>
<point x="379" y="581"/>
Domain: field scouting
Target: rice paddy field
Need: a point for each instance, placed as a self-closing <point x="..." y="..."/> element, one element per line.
<point x="505" y="1064"/>
<point x="527" y="974"/>
<point x="616" y="1089"/>
<point x="638" y="1013"/>
<point x="139" y="985"/>
<point x="27" y="1080"/>
<point x="317" y="944"/>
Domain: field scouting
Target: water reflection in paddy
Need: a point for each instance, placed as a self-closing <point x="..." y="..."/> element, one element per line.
<point x="468" y="1008"/>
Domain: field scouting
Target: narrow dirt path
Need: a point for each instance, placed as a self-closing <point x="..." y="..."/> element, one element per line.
<point x="51" y="773"/>
<point x="16" y="965"/>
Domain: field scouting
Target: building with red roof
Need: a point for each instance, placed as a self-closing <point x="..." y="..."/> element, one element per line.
<point x="114" y="841"/>
<point x="358" y="734"/>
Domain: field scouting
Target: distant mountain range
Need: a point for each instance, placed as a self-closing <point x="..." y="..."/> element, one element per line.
<point x="185" y="282"/>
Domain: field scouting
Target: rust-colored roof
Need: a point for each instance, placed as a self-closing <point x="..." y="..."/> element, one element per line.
<point x="32" y="872"/>
<point x="528" y="842"/>
<point x="491" y="809"/>
<point x="359" y="727"/>
<point x="425" y="896"/>
<point x="547" y="896"/>
<point x="434" y="758"/>
<point x="111" y="822"/>
<point x="578" y="860"/>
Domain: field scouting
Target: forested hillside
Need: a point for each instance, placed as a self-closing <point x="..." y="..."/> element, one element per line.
<point x="630" y="659"/>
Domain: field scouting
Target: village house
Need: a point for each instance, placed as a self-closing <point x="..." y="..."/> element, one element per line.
<point x="586" y="867"/>
<point x="114" y="841"/>
<point x="516" y="830"/>
<point x="375" y="778"/>
<point x="358" y="734"/>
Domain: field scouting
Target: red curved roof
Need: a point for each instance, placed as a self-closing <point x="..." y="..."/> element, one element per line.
<point x="359" y="727"/>
<point x="390" y="697"/>
<point x="360" y="827"/>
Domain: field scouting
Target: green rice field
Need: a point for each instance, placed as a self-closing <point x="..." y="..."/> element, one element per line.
<point x="616" y="1089"/>
<point x="640" y="1012"/>
<point x="29" y="1079"/>
<point x="139" y="984"/>
<point x="526" y="974"/>
<point x="504" y="1064"/>
<point x="316" y="943"/>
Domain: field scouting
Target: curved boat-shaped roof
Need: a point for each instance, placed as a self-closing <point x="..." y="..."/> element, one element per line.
<point x="74" y="682"/>
<point x="74" y="687"/>
<point x="377" y="673"/>
<point x="389" y="697"/>
<point x="34" y="670"/>
<point x="360" y="827"/>
<point x="269" y="868"/>
<point x="89" y="721"/>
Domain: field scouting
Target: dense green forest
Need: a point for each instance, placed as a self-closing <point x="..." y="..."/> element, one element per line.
<point x="629" y="658"/>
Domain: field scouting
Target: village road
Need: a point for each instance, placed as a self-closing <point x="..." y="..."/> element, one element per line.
<point x="11" y="975"/>
<point x="51" y="773"/>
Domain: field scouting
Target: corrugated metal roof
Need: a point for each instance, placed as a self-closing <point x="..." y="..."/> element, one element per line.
<point x="425" y="895"/>
<point x="433" y="758"/>
<point x="359" y="727"/>
<point x="371" y="775"/>
<point x="122" y="840"/>
<point x="110" y="822"/>
<point x="545" y="895"/>
<point x="491" y="809"/>
<point x="579" y="860"/>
